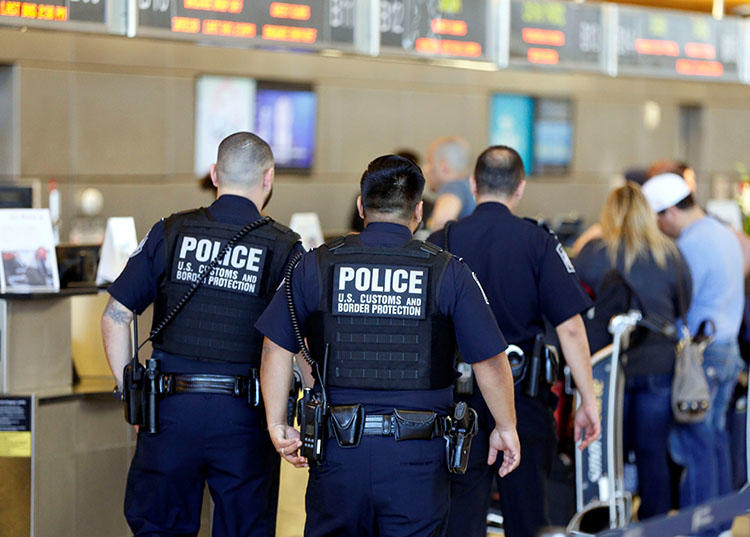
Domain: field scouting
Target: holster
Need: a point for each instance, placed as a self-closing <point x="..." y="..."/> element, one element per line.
<point x="347" y="423"/>
<point x="460" y="430"/>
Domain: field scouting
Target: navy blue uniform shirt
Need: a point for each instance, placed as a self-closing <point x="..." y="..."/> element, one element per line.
<point x="137" y="285"/>
<point x="460" y="297"/>
<point x="523" y="268"/>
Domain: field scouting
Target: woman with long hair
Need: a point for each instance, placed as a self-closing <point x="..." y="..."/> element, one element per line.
<point x="649" y="263"/>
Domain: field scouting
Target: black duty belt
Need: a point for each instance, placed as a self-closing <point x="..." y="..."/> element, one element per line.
<point x="236" y="386"/>
<point x="396" y="425"/>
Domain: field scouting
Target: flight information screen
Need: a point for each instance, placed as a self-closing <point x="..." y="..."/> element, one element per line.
<point x="437" y="28"/>
<point x="63" y="14"/>
<point x="555" y="34"/>
<point x="664" y="43"/>
<point x="318" y="23"/>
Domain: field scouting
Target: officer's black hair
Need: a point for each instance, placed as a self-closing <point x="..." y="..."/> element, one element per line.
<point x="499" y="170"/>
<point x="243" y="158"/>
<point x="392" y="185"/>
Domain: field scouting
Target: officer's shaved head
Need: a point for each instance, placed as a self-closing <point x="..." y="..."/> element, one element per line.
<point x="242" y="160"/>
<point x="392" y="185"/>
<point x="499" y="171"/>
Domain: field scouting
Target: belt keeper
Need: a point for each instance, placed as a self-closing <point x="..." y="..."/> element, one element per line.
<point x="166" y="384"/>
<point x="387" y="420"/>
<point x="237" y="386"/>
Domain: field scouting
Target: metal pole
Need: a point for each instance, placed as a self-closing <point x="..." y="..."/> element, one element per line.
<point x="618" y="331"/>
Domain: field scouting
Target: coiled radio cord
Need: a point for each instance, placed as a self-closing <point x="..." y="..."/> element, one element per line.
<point x="193" y="288"/>
<point x="295" y="324"/>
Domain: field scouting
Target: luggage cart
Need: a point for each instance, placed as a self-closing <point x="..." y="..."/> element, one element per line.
<point x="601" y="499"/>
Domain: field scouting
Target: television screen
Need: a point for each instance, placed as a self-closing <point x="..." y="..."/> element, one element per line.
<point x="553" y="136"/>
<point x="285" y="116"/>
<point x="223" y="105"/>
<point x="540" y="129"/>
<point x="16" y="197"/>
<point x="511" y="124"/>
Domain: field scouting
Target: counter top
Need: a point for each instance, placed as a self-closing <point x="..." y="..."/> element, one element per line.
<point x="68" y="291"/>
<point x="87" y="387"/>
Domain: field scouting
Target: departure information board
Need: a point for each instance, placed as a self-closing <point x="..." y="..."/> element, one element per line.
<point x="447" y="28"/>
<point x="562" y="34"/>
<point x="64" y="14"/>
<point x="665" y="43"/>
<point x="316" y="23"/>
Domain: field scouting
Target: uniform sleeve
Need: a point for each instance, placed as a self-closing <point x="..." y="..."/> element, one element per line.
<point x="463" y="300"/>
<point x="560" y="292"/>
<point x="136" y="287"/>
<point x="274" y="322"/>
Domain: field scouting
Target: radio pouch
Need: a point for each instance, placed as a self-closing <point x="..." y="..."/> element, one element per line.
<point x="313" y="421"/>
<point x="413" y="424"/>
<point x="348" y="422"/>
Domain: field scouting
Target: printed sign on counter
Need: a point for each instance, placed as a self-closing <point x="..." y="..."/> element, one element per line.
<point x="15" y="426"/>
<point x="27" y="247"/>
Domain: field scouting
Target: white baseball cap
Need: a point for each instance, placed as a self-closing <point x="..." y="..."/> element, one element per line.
<point x="665" y="190"/>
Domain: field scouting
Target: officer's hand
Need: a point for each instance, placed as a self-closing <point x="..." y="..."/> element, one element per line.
<point x="505" y="440"/>
<point x="587" y="417"/>
<point x="286" y="441"/>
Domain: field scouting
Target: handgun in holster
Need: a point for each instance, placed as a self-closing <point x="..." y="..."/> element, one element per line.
<point x="460" y="430"/>
<point x="313" y="423"/>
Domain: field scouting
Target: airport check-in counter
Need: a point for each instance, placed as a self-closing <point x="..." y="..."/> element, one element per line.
<point x="65" y="448"/>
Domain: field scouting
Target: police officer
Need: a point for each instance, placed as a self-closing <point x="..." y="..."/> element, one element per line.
<point x="385" y="311"/>
<point x="527" y="276"/>
<point x="210" y="428"/>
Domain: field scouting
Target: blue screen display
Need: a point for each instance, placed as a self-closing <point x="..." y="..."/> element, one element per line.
<point x="512" y="124"/>
<point x="285" y="118"/>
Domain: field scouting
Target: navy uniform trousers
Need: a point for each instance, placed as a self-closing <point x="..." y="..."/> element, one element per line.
<point x="470" y="492"/>
<point x="204" y="437"/>
<point x="381" y="487"/>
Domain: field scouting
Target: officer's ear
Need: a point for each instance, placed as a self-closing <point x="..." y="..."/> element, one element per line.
<point x="518" y="194"/>
<point x="360" y="208"/>
<point x="268" y="177"/>
<point x="473" y="185"/>
<point x="212" y="173"/>
<point x="419" y="211"/>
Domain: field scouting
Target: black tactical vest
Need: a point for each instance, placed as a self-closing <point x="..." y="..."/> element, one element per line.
<point x="217" y="323"/>
<point x="379" y="315"/>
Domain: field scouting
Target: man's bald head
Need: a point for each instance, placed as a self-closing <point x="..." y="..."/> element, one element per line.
<point x="242" y="160"/>
<point x="455" y="151"/>
<point x="499" y="171"/>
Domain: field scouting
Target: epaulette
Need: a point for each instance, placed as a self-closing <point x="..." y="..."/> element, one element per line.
<point x="336" y="242"/>
<point x="430" y="248"/>
<point x="281" y="227"/>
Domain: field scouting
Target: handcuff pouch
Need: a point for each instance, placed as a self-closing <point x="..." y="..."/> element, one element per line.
<point x="348" y="422"/>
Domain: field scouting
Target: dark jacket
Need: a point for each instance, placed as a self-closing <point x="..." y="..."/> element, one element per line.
<point x="655" y="290"/>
